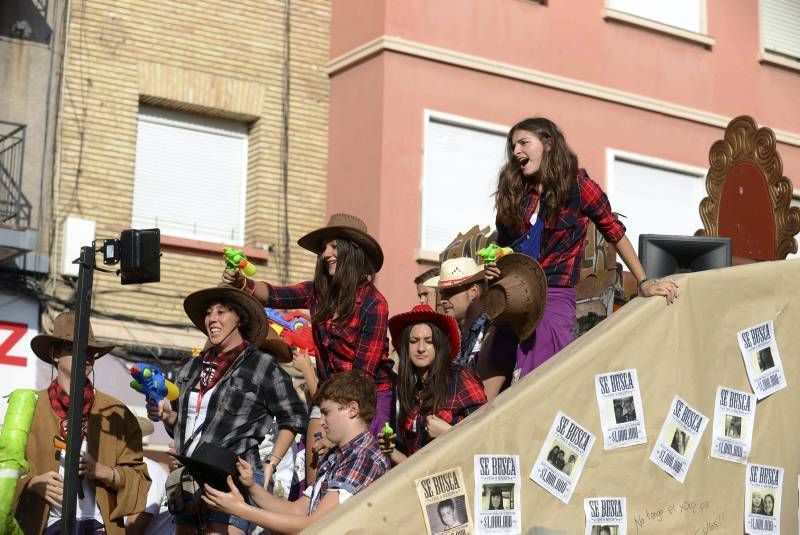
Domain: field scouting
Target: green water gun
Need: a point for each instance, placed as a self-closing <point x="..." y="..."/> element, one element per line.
<point x="13" y="441"/>
<point x="493" y="253"/>
<point x="236" y="259"/>
<point x="387" y="431"/>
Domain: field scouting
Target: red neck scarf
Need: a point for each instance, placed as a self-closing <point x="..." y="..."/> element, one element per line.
<point x="216" y="363"/>
<point x="59" y="401"/>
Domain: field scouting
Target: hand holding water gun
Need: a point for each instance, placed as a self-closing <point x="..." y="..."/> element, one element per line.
<point x="236" y="259"/>
<point x="294" y="327"/>
<point x="150" y="381"/>
<point x="493" y="252"/>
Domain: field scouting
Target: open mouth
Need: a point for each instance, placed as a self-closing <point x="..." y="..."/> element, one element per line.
<point x="523" y="162"/>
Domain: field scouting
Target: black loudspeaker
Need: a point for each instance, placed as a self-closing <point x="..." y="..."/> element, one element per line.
<point x="140" y="256"/>
<point x="666" y="255"/>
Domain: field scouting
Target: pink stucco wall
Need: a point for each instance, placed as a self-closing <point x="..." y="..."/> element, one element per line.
<point x="377" y="106"/>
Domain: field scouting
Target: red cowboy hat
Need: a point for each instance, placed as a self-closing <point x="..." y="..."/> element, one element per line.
<point x="425" y="314"/>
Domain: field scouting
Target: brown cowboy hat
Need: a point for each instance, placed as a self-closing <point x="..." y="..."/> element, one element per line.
<point x="348" y="227"/>
<point x="63" y="331"/>
<point x="196" y="304"/>
<point x="425" y="314"/>
<point x="519" y="296"/>
<point x="276" y="346"/>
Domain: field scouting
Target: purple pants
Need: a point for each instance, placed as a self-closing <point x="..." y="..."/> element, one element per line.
<point x="552" y="334"/>
<point x="383" y="411"/>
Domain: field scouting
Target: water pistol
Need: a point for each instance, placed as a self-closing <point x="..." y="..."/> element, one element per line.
<point x="150" y="381"/>
<point x="387" y="431"/>
<point x="236" y="259"/>
<point x="14" y="435"/>
<point x="294" y="327"/>
<point x="493" y="253"/>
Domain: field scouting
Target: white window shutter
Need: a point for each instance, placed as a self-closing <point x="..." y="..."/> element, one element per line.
<point x="780" y="27"/>
<point x="685" y="14"/>
<point x="655" y="200"/>
<point x="459" y="178"/>
<point x="190" y="176"/>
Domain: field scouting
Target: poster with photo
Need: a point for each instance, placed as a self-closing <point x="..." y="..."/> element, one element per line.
<point x="762" y="359"/>
<point x="621" y="412"/>
<point x="679" y="438"/>
<point x="497" y="494"/>
<point x="734" y="417"/>
<point x="443" y="498"/>
<point x="606" y="516"/>
<point x="562" y="457"/>
<point x="762" y="499"/>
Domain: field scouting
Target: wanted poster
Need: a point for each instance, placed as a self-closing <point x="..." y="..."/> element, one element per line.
<point x="564" y="452"/>
<point x="679" y="438"/>
<point x="734" y="416"/>
<point x="605" y="516"/>
<point x="621" y="413"/>
<point x="762" y="499"/>
<point x="761" y="359"/>
<point x="497" y="490"/>
<point x="443" y="498"/>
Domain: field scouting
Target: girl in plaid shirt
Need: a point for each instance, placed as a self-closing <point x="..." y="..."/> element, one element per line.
<point x="434" y="392"/>
<point x="543" y="203"/>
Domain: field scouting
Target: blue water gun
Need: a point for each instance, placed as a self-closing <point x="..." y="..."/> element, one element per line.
<point x="150" y="381"/>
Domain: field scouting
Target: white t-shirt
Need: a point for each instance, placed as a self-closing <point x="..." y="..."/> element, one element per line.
<point x="195" y="418"/>
<point x="87" y="507"/>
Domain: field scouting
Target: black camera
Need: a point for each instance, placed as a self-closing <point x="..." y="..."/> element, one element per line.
<point x="139" y="254"/>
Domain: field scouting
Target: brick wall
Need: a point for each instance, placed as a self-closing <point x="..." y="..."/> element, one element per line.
<point x="211" y="57"/>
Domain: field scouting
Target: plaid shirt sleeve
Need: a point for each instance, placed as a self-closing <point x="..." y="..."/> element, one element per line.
<point x="594" y="203"/>
<point x="372" y="347"/>
<point x="283" y="402"/>
<point x="470" y="395"/>
<point x="291" y="297"/>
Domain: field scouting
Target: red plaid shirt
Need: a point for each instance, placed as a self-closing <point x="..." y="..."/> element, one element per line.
<point x="361" y="344"/>
<point x="465" y="395"/>
<point x="562" y="246"/>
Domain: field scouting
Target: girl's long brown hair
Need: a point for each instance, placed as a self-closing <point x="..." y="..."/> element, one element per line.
<point x="557" y="174"/>
<point x="434" y="388"/>
<point x="337" y="295"/>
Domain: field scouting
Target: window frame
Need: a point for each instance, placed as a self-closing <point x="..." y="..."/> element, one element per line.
<point x="244" y="136"/>
<point x="700" y="37"/>
<point x="430" y="115"/>
<point x="773" y="58"/>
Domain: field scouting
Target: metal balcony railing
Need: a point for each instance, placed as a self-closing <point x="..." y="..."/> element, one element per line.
<point x="14" y="206"/>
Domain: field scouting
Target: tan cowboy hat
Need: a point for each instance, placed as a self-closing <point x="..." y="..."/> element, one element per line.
<point x="63" y="331"/>
<point x="519" y="296"/>
<point x="196" y="304"/>
<point x="276" y="346"/>
<point x="348" y="227"/>
<point x="457" y="272"/>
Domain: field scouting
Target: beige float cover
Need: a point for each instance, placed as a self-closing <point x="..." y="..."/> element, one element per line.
<point x="687" y="349"/>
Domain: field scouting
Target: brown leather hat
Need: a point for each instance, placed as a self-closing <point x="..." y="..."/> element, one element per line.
<point x="519" y="296"/>
<point x="63" y="331"/>
<point x="196" y="304"/>
<point x="276" y="346"/>
<point x="348" y="227"/>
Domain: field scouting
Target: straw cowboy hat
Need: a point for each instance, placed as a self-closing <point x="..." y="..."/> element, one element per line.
<point x="519" y="296"/>
<point x="457" y="272"/>
<point x="196" y="304"/>
<point x="425" y="314"/>
<point x="63" y="331"/>
<point x="348" y="227"/>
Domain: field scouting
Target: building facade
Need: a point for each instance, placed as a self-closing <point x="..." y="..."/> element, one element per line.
<point x="422" y="96"/>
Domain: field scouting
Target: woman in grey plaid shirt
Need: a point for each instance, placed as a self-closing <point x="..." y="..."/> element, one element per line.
<point x="230" y="394"/>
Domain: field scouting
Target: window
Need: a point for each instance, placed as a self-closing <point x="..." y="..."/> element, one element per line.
<point x="780" y="27"/>
<point x="461" y="163"/>
<point x="191" y="176"/>
<point x="655" y="196"/>
<point x="685" y="14"/>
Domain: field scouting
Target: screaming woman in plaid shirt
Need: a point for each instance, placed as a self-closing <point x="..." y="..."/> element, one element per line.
<point x="543" y="202"/>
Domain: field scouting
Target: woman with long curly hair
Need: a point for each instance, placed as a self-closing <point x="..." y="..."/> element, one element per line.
<point x="543" y="202"/>
<point x="434" y="393"/>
